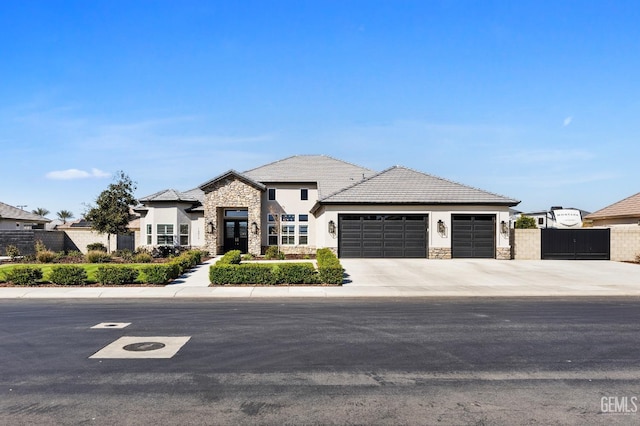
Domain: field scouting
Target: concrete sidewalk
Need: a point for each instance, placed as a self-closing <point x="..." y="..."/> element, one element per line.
<point x="397" y="278"/>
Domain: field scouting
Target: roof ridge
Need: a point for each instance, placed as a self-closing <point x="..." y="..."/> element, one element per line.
<point x="358" y="183"/>
<point x="614" y="204"/>
<point x="307" y="155"/>
<point x="457" y="183"/>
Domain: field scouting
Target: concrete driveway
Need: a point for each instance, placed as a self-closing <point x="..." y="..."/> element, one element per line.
<point x="488" y="277"/>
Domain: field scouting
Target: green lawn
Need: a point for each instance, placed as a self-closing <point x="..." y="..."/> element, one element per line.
<point x="91" y="269"/>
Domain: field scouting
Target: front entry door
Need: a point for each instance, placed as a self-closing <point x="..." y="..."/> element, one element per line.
<point x="236" y="235"/>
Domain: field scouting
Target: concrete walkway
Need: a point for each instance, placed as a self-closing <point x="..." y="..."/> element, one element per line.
<point x="398" y="278"/>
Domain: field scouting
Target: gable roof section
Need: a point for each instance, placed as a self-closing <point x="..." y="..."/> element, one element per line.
<point x="629" y="207"/>
<point x="400" y="185"/>
<point x="10" y="212"/>
<point x="233" y="174"/>
<point x="329" y="173"/>
<point x="172" y="195"/>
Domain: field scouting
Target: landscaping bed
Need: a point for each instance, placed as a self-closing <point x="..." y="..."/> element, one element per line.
<point x="98" y="274"/>
<point x="230" y="270"/>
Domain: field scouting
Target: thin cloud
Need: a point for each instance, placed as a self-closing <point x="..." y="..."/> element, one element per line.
<point x="567" y="121"/>
<point x="72" y="174"/>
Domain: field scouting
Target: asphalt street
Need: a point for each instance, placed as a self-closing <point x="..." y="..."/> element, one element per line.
<point x="294" y="361"/>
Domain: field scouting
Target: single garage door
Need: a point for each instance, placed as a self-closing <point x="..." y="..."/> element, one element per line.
<point x="382" y="236"/>
<point x="473" y="236"/>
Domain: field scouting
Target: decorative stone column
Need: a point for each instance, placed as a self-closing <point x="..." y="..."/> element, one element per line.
<point x="230" y="191"/>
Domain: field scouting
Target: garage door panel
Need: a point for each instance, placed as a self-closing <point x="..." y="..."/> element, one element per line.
<point x="473" y="236"/>
<point x="382" y="236"/>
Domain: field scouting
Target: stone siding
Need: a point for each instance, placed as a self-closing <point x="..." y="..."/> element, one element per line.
<point x="230" y="193"/>
<point x="503" y="253"/>
<point x="526" y="244"/>
<point x="439" y="253"/>
<point x="625" y="243"/>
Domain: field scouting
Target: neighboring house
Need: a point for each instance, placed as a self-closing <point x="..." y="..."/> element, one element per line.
<point x="624" y="212"/>
<point x="305" y="202"/>
<point x="15" y="219"/>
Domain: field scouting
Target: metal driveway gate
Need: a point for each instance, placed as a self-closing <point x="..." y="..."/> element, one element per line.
<point x="382" y="236"/>
<point x="576" y="244"/>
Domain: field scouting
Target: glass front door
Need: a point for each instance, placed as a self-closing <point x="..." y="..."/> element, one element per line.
<point x="236" y="235"/>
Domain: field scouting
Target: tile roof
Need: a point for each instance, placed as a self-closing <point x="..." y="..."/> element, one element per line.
<point x="10" y="212"/>
<point x="231" y="173"/>
<point x="400" y="185"/>
<point x="173" y="195"/>
<point x="329" y="173"/>
<point x="629" y="207"/>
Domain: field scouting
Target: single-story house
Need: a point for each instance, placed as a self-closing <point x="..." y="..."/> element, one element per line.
<point x="305" y="202"/>
<point x="621" y="213"/>
<point x="15" y="219"/>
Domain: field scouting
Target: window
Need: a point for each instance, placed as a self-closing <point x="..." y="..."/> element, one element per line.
<point x="165" y="235"/>
<point x="272" y="194"/>
<point x="288" y="217"/>
<point x="303" y="218"/>
<point x="184" y="234"/>
<point x="541" y="221"/>
<point x="273" y="235"/>
<point x="236" y="213"/>
<point x="288" y="235"/>
<point x="149" y="232"/>
<point x="272" y="217"/>
<point x="303" y="236"/>
<point x="304" y="194"/>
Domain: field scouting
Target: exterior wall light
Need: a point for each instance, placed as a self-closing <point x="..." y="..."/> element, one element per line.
<point x="254" y="227"/>
<point x="441" y="227"/>
<point x="504" y="227"/>
<point x="210" y="228"/>
<point x="332" y="227"/>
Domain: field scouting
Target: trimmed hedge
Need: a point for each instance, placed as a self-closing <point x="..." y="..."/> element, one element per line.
<point x="232" y="257"/>
<point x="329" y="267"/>
<point x="68" y="275"/>
<point x="24" y="275"/>
<point x="295" y="273"/>
<point x="158" y="273"/>
<point x="242" y="274"/>
<point x="116" y="274"/>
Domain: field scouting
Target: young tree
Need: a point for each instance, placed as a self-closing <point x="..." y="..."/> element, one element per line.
<point x="63" y="215"/>
<point x="111" y="213"/>
<point x="41" y="211"/>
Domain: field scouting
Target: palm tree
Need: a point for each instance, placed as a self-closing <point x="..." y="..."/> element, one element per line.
<point x="63" y="215"/>
<point x="41" y="211"/>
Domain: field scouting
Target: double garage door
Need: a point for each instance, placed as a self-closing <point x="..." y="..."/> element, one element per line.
<point x="382" y="236"/>
<point x="472" y="236"/>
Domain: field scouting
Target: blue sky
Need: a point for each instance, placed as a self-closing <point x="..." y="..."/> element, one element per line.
<point x="536" y="100"/>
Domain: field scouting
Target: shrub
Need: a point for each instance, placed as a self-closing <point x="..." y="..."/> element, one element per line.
<point x="12" y="251"/>
<point x="98" y="256"/>
<point x="39" y="246"/>
<point x="158" y="273"/>
<point x="329" y="267"/>
<point x="164" y="251"/>
<point x="526" y="222"/>
<point x="24" y="275"/>
<point x="295" y="273"/>
<point x="232" y="257"/>
<point x="68" y="275"/>
<point x="273" y="252"/>
<point x="248" y="256"/>
<point x="96" y="247"/>
<point x="112" y="274"/>
<point x="45" y="256"/>
<point x="125" y="254"/>
<point x="142" y="258"/>
<point x="75" y="254"/>
<point x="242" y="274"/>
